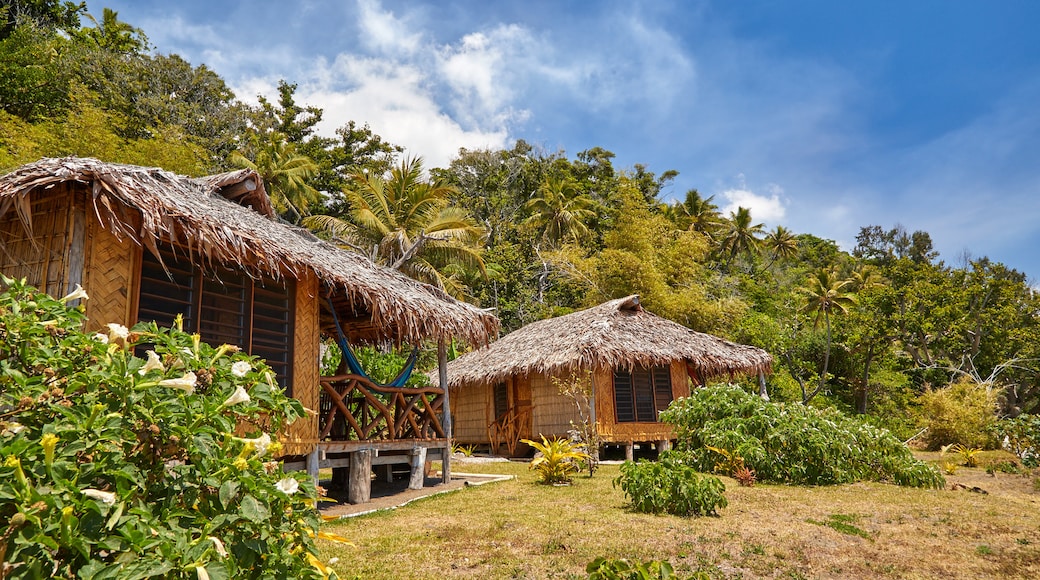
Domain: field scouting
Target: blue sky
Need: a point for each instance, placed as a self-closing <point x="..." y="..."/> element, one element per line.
<point x="821" y="116"/>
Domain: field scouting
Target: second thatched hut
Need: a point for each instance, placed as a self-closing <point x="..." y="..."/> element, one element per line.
<point x="636" y="364"/>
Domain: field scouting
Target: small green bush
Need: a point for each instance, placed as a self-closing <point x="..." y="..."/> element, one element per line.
<point x="791" y="443"/>
<point x="622" y="569"/>
<point x="557" y="460"/>
<point x="119" y="466"/>
<point x="669" y="486"/>
<point x="961" y="413"/>
<point x="1021" y="436"/>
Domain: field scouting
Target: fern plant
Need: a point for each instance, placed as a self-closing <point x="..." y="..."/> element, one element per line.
<point x="558" y="460"/>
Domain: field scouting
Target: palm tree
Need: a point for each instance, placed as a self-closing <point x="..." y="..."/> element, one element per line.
<point x="781" y="243"/>
<point x="285" y="174"/>
<point x="741" y="237"/>
<point x="559" y="210"/>
<point x="825" y="295"/>
<point x="404" y="221"/>
<point x="699" y="214"/>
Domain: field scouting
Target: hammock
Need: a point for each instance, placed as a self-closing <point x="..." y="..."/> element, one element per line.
<point x="355" y="366"/>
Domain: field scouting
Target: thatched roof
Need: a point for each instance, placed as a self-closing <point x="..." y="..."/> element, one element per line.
<point x="615" y="334"/>
<point x="228" y="219"/>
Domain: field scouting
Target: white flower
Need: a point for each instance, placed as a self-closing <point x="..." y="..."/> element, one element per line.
<point x="201" y="573"/>
<point x="262" y="443"/>
<point x="117" y="331"/>
<point x="186" y="383"/>
<point x="240" y="368"/>
<point x="76" y="294"/>
<point x="239" y="396"/>
<point x="288" y="485"/>
<point x="105" y="497"/>
<point x="102" y="338"/>
<point x="219" y="546"/>
<point x="153" y="364"/>
<point x="333" y="561"/>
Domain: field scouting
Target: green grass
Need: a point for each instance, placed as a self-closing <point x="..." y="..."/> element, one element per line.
<point x="519" y="529"/>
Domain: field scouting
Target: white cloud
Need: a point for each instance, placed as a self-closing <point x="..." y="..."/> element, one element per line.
<point x="382" y="31"/>
<point x="767" y="208"/>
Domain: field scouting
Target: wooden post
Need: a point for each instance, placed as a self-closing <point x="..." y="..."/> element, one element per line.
<point x="663" y="445"/>
<point x="418" y="465"/>
<point x="360" y="490"/>
<point x="630" y="451"/>
<point x="388" y="473"/>
<point x="442" y="371"/>
<point x="762" y="386"/>
<point x="312" y="465"/>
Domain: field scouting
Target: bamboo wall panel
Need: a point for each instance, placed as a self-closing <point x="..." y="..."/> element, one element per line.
<point x="552" y="413"/>
<point x="111" y="271"/>
<point x="471" y="414"/>
<point x="41" y="258"/>
<point x="301" y="437"/>
<point x="646" y="432"/>
<point x="680" y="381"/>
<point x="603" y="383"/>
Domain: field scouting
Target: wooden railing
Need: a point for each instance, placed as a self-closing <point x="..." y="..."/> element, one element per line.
<point x="507" y="429"/>
<point x="355" y="409"/>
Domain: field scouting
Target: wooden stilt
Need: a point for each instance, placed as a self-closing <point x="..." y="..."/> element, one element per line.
<point x="418" y="465"/>
<point x="442" y="371"/>
<point x="360" y="490"/>
<point x="388" y="472"/>
<point x="630" y="451"/>
<point x="663" y="445"/>
<point x="312" y="465"/>
<point x="762" y="386"/>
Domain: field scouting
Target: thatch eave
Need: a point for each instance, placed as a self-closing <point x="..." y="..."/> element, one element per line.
<point x="152" y="207"/>
<point x="615" y="334"/>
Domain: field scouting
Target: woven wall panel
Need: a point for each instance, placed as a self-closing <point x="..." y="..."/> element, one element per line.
<point x="42" y="258"/>
<point x="110" y="272"/>
<point x="301" y="437"/>
<point x="552" y="413"/>
<point x="470" y="414"/>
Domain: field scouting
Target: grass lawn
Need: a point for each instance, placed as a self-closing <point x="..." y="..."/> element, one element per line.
<point x="519" y="529"/>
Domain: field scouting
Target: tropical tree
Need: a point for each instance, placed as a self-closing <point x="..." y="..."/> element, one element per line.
<point x="781" y="243"/>
<point x="559" y="210"/>
<point x="825" y="294"/>
<point x="404" y="221"/>
<point x="698" y="213"/>
<point x="285" y="174"/>
<point x="740" y="236"/>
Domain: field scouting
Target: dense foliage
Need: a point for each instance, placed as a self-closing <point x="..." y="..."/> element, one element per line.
<point x="141" y="453"/>
<point x="532" y="233"/>
<point x="668" y="485"/>
<point x="791" y="443"/>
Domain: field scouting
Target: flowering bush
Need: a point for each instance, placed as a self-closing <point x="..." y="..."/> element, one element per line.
<point x="159" y="465"/>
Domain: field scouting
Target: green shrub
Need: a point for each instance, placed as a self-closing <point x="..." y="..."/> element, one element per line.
<point x="1021" y="436"/>
<point x="790" y="442"/>
<point x="669" y="486"/>
<point x="963" y="412"/>
<point x="622" y="569"/>
<point x="558" y="460"/>
<point x="115" y="465"/>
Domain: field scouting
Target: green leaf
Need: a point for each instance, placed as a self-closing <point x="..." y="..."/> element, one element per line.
<point x="253" y="510"/>
<point x="227" y="492"/>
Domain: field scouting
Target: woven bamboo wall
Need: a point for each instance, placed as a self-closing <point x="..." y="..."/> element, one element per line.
<point x="553" y="412"/>
<point x="111" y="276"/>
<point x="471" y="415"/>
<point x="42" y="258"/>
<point x="301" y="437"/>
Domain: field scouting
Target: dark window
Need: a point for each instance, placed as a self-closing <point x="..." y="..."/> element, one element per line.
<point x="640" y="394"/>
<point x="501" y="394"/>
<point x="224" y="306"/>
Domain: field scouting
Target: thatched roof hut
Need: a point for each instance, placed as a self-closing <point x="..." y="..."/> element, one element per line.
<point x="228" y="219"/>
<point x="616" y="334"/>
<point x="637" y="364"/>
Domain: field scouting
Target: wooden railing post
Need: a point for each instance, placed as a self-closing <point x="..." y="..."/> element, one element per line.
<point x="442" y="374"/>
